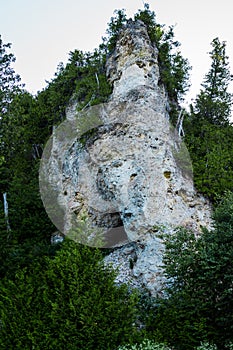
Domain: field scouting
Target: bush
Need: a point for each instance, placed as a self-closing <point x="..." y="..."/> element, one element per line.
<point x="199" y="303"/>
<point x="69" y="302"/>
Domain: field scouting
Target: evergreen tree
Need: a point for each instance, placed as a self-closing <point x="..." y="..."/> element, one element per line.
<point x="69" y="302"/>
<point x="149" y="18"/>
<point x="212" y="154"/>
<point x="174" y="68"/>
<point x="9" y="80"/>
<point x="23" y="134"/>
<point x="200" y="295"/>
<point x="213" y="104"/>
<point x="208" y="132"/>
<point x="9" y="87"/>
<point x="114" y="26"/>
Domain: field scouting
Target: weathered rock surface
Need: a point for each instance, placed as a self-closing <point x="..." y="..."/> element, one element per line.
<point x="122" y="165"/>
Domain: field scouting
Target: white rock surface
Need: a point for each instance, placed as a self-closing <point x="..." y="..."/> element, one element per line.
<point x="124" y="166"/>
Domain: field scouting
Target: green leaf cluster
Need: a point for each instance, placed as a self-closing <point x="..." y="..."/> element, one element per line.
<point x="198" y="306"/>
<point x="208" y="130"/>
<point x="9" y="80"/>
<point x="214" y="102"/>
<point x="211" y="153"/>
<point x="69" y="302"/>
<point x="62" y="296"/>
<point x="174" y="68"/>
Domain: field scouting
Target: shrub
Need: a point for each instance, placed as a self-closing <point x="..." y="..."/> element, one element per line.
<point x="69" y="302"/>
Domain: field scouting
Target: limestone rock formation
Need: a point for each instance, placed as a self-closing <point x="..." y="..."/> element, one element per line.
<point x="122" y="169"/>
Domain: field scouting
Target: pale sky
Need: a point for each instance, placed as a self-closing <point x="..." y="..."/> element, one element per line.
<point x="43" y="32"/>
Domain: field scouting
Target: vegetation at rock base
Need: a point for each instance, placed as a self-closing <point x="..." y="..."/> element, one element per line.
<point x="69" y="301"/>
<point x="198" y="307"/>
<point x="62" y="294"/>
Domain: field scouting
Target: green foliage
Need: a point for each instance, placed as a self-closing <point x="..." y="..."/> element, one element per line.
<point x="199" y="304"/>
<point x="22" y="135"/>
<point x="69" y="302"/>
<point x="151" y="345"/>
<point x="114" y="26"/>
<point x="174" y="69"/>
<point x="209" y="134"/>
<point x="53" y="100"/>
<point x="9" y="80"/>
<point x="28" y="217"/>
<point x="213" y="104"/>
<point x="29" y="236"/>
<point x="149" y="18"/>
<point x="25" y="126"/>
<point x="211" y="153"/>
<point x="83" y="79"/>
<point x="93" y="88"/>
<point x="145" y="345"/>
<point x="23" y="130"/>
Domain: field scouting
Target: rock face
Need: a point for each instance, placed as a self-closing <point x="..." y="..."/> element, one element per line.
<point x="121" y="167"/>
